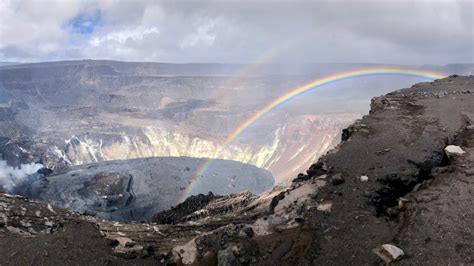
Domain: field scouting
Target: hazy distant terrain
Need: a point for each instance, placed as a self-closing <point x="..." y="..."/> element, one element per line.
<point x="7" y="63"/>
<point x="78" y="112"/>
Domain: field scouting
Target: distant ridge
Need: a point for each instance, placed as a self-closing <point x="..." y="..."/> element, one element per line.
<point x="223" y="69"/>
<point x="8" y="63"/>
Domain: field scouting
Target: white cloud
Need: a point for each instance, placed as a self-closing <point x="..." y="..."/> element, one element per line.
<point x="240" y="31"/>
<point x="23" y="23"/>
<point x="203" y="35"/>
<point x="122" y="36"/>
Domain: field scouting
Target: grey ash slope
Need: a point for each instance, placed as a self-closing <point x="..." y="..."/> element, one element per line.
<point x="400" y="147"/>
<point x="415" y="197"/>
<point x="138" y="188"/>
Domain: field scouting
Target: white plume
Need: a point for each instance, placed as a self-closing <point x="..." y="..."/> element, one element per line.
<point x="12" y="176"/>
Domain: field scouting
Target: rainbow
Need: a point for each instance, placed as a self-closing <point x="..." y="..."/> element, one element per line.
<point x="320" y="82"/>
<point x="251" y="69"/>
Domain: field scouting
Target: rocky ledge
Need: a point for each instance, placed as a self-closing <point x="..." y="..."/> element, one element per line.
<point x="398" y="189"/>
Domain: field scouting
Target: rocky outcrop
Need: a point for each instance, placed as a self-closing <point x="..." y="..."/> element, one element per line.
<point x="190" y="205"/>
<point x="39" y="233"/>
<point x="20" y="216"/>
<point x="205" y="206"/>
<point x="436" y="217"/>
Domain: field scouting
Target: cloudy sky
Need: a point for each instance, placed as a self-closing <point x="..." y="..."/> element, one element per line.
<point x="232" y="31"/>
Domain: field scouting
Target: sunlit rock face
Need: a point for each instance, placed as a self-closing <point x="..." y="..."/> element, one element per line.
<point x="78" y="112"/>
<point x="291" y="148"/>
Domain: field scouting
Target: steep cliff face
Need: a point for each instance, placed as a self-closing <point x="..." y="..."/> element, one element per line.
<point x="153" y="141"/>
<point x="283" y="155"/>
<point x="82" y="112"/>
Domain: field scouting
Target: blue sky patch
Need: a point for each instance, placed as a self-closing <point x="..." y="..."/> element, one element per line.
<point x="85" y="23"/>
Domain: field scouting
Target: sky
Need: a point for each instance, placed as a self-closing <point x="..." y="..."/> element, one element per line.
<point x="244" y="31"/>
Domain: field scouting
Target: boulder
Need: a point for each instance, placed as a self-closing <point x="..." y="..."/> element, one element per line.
<point x="337" y="179"/>
<point x="125" y="241"/>
<point x="364" y="179"/>
<point x="127" y="248"/>
<point x="453" y="150"/>
<point x="325" y="206"/>
<point x="226" y="258"/>
<point x="389" y="253"/>
<point x="247" y="232"/>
